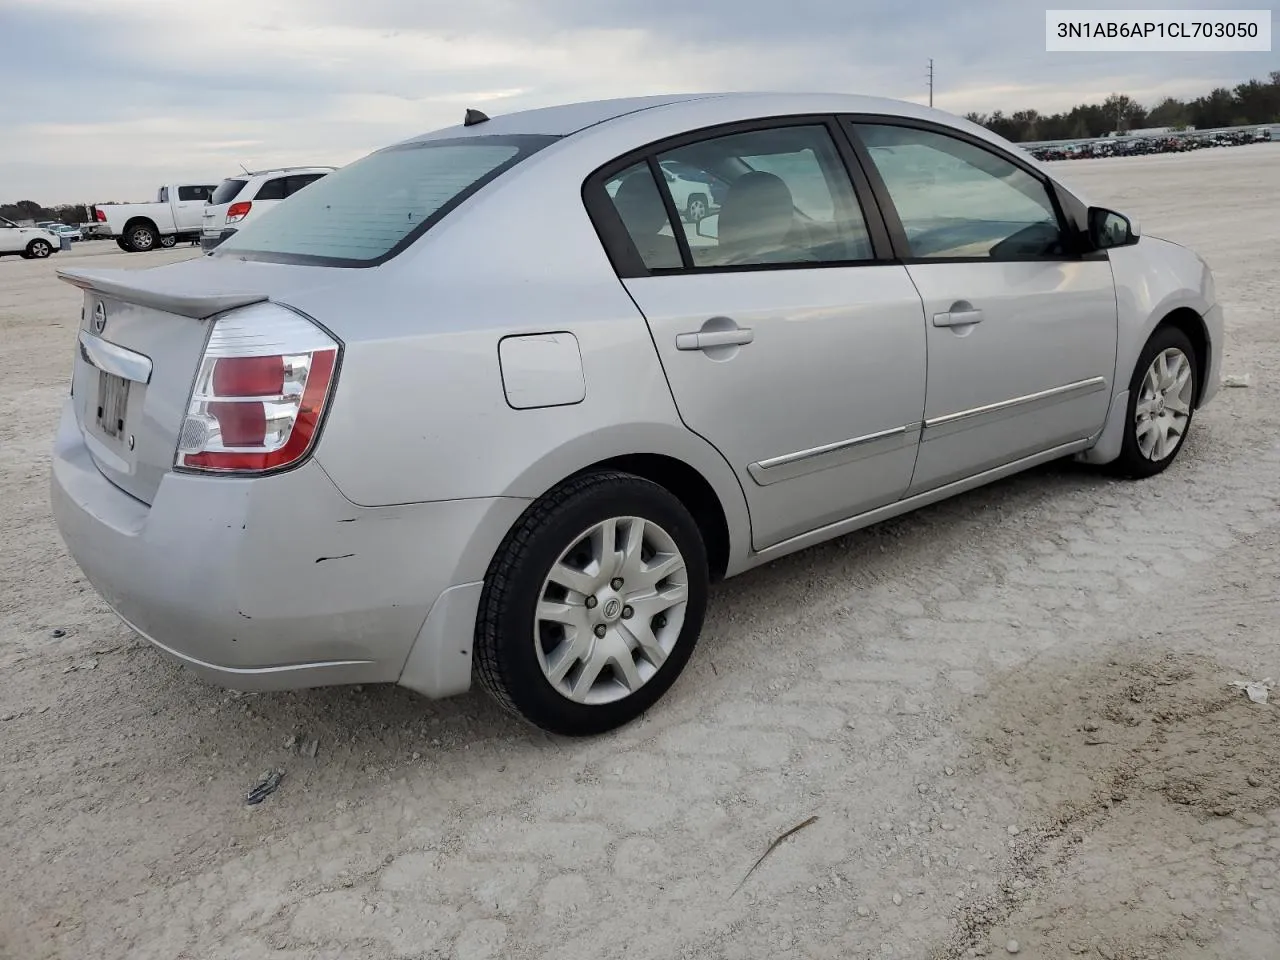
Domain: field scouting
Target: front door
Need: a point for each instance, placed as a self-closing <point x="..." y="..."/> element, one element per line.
<point x="1021" y="330"/>
<point x="787" y="345"/>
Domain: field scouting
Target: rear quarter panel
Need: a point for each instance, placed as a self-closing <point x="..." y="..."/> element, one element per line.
<point x="420" y="411"/>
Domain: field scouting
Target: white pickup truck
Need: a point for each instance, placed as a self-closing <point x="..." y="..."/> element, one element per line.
<point x="175" y="215"/>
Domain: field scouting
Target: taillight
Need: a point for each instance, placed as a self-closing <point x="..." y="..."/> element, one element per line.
<point x="264" y="380"/>
<point x="238" y="211"/>
<point x="100" y="215"/>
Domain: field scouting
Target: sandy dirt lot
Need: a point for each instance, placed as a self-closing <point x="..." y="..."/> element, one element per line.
<point x="1010" y="713"/>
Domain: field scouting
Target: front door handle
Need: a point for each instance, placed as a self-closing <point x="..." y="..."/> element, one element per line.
<point x="957" y="318"/>
<point x="705" y="339"/>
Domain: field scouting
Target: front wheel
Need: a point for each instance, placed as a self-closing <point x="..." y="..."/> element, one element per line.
<point x="39" y="249"/>
<point x="592" y="605"/>
<point x="168" y="240"/>
<point x="696" y="208"/>
<point x="1162" y="397"/>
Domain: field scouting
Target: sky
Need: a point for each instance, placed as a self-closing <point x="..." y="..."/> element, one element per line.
<point x="108" y="99"/>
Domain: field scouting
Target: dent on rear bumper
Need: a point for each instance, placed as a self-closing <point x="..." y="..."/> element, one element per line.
<point x="277" y="582"/>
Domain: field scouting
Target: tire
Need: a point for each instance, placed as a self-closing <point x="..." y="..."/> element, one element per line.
<point x="38" y="250"/>
<point x="141" y="237"/>
<point x="696" y="208"/>
<point x="123" y="244"/>
<point x="541" y="668"/>
<point x="1155" y="425"/>
<point x="168" y="240"/>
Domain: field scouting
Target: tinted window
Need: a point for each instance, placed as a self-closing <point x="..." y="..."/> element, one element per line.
<point x="298" y="181"/>
<point x="636" y="198"/>
<point x="193" y="193"/>
<point x="788" y="199"/>
<point x="956" y="199"/>
<point x="228" y="190"/>
<point x="375" y="207"/>
<point x="272" y="189"/>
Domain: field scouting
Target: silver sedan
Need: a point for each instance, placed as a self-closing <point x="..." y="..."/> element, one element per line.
<point x="495" y="402"/>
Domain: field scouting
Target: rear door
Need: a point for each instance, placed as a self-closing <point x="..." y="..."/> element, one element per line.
<point x="1021" y="328"/>
<point x="788" y="343"/>
<point x="188" y="206"/>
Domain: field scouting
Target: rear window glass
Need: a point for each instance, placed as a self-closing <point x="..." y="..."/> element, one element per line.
<point x="372" y="209"/>
<point x="227" y="191"/>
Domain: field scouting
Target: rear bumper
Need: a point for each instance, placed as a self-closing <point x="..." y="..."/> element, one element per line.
<point x="279" y="582"/>
<point x="208" y="241"/>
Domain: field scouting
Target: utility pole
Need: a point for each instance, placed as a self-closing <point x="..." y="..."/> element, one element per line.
<point x="931" y="81"/>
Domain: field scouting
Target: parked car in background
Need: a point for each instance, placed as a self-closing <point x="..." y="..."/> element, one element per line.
<point x="31" y="243"/>
<point x="174" y="215"/>
<point x="239" y="200"/>
<point x="524" y="446"/>
<point x="69" y="231"/>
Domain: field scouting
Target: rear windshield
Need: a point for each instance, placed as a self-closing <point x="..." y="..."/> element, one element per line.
<point x="227" y="191"/>
<point x="369" y="211"/>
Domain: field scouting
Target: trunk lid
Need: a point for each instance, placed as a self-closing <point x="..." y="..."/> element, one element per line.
<point x="141" y="337"/>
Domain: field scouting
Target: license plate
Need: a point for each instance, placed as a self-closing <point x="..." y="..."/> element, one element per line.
<point x="113" y="402"/>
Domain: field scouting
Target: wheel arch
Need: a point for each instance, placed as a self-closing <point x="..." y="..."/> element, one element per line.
<point x="671" y="456"/>
<point x="1191" y="323"/>
<point x="691" y="489"/>
<point x="140" y="220"/>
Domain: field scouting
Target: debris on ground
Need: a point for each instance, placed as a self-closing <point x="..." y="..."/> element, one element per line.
<point x="309" y="749"/>
<point x="58" y="633"/>
<point x="1255" y="690"/>
<point x="265" y="786"/>
<point x="1236" y="380"/>
<point x="772" y="847"/>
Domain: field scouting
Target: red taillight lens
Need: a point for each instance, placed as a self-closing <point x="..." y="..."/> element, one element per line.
<point x="100" y="215"/>
<point x="238" y="211"/>
<point x="250" y="414"/>
<point x="248" y="376"/>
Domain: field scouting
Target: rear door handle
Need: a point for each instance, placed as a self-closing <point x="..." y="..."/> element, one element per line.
<point x="714" y="338"/>
<point x="957" y="318"/>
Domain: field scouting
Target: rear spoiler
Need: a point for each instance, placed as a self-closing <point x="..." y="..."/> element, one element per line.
<point x="133" y="286"/>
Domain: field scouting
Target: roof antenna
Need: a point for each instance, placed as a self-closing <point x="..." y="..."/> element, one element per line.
<point x="245" y="169"/>
<point x="473" y="117"/>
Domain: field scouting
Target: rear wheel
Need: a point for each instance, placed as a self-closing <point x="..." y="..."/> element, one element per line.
<point x="123" y="244"/>
<point x="696" y="208"/>
<point x="1161" y="404"/>
<point x="39" y="249"/>
<point x="142" y="237"/>
<point x="592" y="605"/>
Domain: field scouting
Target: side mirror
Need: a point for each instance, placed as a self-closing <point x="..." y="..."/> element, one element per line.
<point x="708" y="227"/>
<point x="1109" y="229"/>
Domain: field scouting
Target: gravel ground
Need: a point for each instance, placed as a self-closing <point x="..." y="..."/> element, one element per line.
<point x="1009" y="713"/>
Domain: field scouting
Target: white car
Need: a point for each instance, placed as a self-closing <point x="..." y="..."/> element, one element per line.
<point x="33" y="243"/>
<point x="241" y="199"/>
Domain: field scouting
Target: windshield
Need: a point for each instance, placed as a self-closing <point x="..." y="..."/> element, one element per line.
<point x="227" y="191"/>
<point x="369" y="211"/>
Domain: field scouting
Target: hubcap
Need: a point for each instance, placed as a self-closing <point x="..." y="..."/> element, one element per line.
<point x="1164" y="405"/>
<point x="611" y="610"/>
<point x="142" y="239"/>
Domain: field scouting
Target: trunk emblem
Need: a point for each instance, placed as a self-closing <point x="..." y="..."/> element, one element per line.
<point x="99" y="317"/>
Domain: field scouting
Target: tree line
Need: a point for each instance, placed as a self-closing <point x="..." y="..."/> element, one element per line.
<point x="1256" y="101"/>
<point x="72" y="214"/>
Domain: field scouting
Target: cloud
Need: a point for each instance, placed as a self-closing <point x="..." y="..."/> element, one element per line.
<point x="117" y="96"/>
